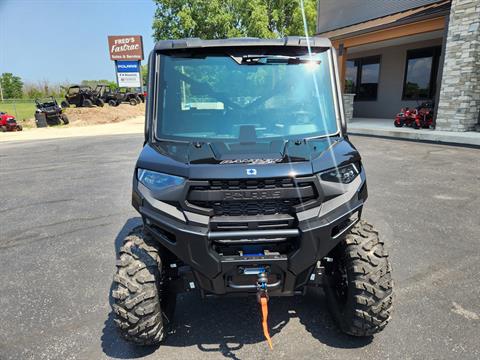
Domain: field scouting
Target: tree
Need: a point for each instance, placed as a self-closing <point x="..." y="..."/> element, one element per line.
<point x="94" y="83"/>
<point x="213" y="19"/>
<point x="32" y="91"/>
<point x="11" y="86"/>
<point x="112" y="85"/>
<point x="144" y="73"/>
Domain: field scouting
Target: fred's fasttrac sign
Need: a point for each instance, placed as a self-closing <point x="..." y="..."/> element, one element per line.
<point x="125" y="47"/>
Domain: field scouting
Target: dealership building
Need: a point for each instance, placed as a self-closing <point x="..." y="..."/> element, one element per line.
<point x="400" y="53"/>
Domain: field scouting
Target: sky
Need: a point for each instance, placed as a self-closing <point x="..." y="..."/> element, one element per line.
<point x="66" y="40"/>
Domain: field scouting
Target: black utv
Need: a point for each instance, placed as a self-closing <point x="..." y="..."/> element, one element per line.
<point x="124" y="95"/>
<point x="105" y="93"/>
<point x="81" y="96"/>
<point x="248" y="184"/>
<point x="48" y="112"/>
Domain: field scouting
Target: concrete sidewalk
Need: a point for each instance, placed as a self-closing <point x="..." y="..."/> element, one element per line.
<point x="385" y="128"/>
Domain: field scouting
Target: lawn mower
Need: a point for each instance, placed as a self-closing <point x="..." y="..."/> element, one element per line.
<point x="49" y="112"/>
<point x="248" y="187"/>
<point x="420" y="117"/>
<point x="8" y="123"/>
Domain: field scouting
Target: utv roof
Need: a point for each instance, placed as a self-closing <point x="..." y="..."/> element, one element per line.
<point x="190" y="43"/>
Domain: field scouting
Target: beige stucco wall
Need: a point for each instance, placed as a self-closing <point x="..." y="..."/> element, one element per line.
<point x="392" y="68"/>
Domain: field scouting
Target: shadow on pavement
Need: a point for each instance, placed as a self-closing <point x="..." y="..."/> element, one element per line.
<point x="225" y="325"/>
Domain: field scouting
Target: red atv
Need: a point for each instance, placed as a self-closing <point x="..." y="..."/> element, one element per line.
<point x="8" y="123"/>
<point x="420" y="117"/>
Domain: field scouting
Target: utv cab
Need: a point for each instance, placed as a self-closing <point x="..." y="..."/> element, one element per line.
<point x="248" y="185"/>
<point x="81" y="96"/>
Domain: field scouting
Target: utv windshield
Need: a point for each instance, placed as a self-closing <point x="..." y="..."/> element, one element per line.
<point x="245" y="97"/>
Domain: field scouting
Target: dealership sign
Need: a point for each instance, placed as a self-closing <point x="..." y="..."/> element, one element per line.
<point x="129" y="79"/>
<point x="127" y="66"/>
<point x="125" y="47"/>
<point x="127" y="52"/>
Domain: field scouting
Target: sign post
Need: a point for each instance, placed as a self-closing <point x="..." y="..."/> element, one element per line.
<point x="127" y="52"/>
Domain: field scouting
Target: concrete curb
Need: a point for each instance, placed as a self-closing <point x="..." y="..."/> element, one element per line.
<point x="470" y="138"/>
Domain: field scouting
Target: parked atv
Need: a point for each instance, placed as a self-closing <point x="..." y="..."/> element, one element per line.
<point x="420" y="117"/>
<point x="8" y="123"/>
<point x="124" y="95"/>
<point x="81" y="96"/>
<point x="253" y="189"/>
<point x="51" y="111"/>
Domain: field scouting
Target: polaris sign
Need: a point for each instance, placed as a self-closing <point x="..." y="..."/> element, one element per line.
<point x="127" y="66"/>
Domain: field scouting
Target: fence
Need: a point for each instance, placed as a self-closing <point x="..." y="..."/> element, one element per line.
<point x="22" y="109"/>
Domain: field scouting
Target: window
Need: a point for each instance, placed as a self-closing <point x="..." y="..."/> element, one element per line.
<point x="361" y="77"/>
<point x="351" y="77"/>
<point x="73" y="91"/>
<point x="228" y="98"/>
<point x="421" y="73"/>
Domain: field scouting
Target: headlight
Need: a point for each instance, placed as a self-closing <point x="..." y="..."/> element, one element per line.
<point x="345" y="174"/>
<point x="158" y="181"/>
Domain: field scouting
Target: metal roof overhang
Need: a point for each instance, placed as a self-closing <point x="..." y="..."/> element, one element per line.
<point x="403" y="18"/>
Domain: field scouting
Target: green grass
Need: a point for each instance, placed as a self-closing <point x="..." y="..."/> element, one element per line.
<point x="21" y="109"/>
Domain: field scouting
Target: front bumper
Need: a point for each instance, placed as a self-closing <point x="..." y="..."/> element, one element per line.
<point x="316" y="232"/>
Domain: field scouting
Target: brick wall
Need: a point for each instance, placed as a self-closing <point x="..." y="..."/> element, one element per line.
<point x="459" y="104"/>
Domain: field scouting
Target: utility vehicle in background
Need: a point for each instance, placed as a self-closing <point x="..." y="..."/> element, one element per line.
<point x="248" y="185"/>
<point x="124" y="95"/>
<point x="81" y="96"/>
<point x="420" y="117"/>
<point x="118" y="96"/>
<point x="48" y="112"/>
<point x="105" y="93"/>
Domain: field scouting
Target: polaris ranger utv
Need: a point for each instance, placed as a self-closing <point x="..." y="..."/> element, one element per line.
<point x="247" y="184"/>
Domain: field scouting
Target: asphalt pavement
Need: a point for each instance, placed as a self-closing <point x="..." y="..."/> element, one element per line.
<point x="65" y="206"/>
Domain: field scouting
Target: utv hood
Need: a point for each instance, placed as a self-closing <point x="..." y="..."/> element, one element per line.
<point x="221" y="160"/>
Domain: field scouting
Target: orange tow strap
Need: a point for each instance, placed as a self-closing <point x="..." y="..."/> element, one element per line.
<point x="264" y="305"/>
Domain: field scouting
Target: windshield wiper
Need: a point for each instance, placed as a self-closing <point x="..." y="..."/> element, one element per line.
<point x="272" y="60"/>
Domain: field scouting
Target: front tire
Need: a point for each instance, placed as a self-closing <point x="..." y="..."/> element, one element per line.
<point x="359" y="285"/>
<point x="64" y="118"/>
<point x="136" y="292"/>
<point x="87" y="103"/>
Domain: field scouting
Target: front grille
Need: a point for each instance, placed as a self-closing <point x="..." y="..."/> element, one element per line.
<point x="268" y="196"/>
<point x="257" y="207"/>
